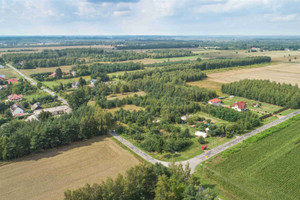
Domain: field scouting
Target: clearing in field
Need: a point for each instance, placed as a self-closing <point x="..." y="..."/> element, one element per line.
<point x="125" y="107"/>
<point x="47" y="175"/>
<point x="266" y="169"/>
<point x="28" y="72"/>
<point x="282" y="73"/>
<point x="124" y="95"/>
<point x="9" y="73"/>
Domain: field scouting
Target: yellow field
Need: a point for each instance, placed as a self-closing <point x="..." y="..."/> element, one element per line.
<point x="47" y="175"/>
<point x="282" y="73"/>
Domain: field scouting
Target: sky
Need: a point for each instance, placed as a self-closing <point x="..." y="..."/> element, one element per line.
<point x="149" y="17"/>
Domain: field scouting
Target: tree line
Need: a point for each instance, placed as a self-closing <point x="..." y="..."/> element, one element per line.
<point x="145" y="181"/>
<point x="265" y="91"/>
<point x="19" y="138"/>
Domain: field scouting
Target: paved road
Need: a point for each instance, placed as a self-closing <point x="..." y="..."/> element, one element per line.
<point x="35" y="83"/>
<point x="193" y="162"/>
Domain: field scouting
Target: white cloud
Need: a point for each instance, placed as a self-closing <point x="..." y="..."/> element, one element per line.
<point x="286" y="18"/>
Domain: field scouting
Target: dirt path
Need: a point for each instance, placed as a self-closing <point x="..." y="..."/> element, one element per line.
<point x="193" y="162"/>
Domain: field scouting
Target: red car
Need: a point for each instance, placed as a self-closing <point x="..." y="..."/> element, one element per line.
<point x="204" y="147"/>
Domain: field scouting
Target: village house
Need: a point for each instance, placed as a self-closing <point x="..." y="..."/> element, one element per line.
<point x="73" y="73"/>
<point x="12" y="80"/>
<point x="239" y="106"/>
<point x="53" y="75"/>
<point x="199" y="134"/>
<point x="15" y="97"/>
<point x="2" y="79"/>
<point x="2" y="75"/>
<point x="215" y="102"/>
<point x="17" y="110"/>
<point x="75" y="84"/>
<point x="3" y="87"/>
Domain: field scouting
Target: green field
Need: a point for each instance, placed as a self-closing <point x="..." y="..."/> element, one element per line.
<point x="268" y="168"/>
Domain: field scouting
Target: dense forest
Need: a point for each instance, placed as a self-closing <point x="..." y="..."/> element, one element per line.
<point x="18" y="138"/>
<point x="266" y="91"/>
<point x="152" y="182"/>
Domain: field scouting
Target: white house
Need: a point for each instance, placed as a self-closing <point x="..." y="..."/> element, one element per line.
<point x="17" y="110"/>
<point x="199" y="134"/>
<point x="239" y="106"/>
<point x="75" y="84"/>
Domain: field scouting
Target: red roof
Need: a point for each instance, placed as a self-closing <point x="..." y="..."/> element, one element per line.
<point x="53" y="74"/>
<point x="2" y="79"/>
<point x="12" y="80"/>
<point x="15" y="97"/>
<point x="215" y="100"/>
<point x="241" y="104"/>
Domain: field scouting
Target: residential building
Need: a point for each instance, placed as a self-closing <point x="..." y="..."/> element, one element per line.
<point x="239" y="106"/>
<point x="199" y="134"/>
<point x="215" y="102"/>
<point x="75" y="84"/>
<point x="17" y="110"/>
<point x="12" y="80"/>
<point x="15" y="97"/>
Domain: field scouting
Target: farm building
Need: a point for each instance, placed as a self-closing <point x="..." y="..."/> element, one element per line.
<point x="239" y="106"/>
<point x="15" y="97"/>
<point x="199" y="134"/>
<point x="1" y="78"/>
<point x="12" y="80"/>
<point x="215" y="102"/>
<point x="17" y="110"/>
<point x="59" y="110"/>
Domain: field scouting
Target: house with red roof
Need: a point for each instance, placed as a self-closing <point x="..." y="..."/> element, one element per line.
<point x="53" y="74"/>
<point x="2" y="79"/>
<point x="215" y="102"/>
<point x="239" y="106"/>
<point x="15" y="97"/>
<point x="12" y="80"/>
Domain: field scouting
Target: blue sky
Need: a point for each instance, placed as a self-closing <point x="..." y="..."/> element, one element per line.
<point x="149" y="17"/>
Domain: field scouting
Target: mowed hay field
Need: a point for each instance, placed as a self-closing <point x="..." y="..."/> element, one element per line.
<point x="282" y="73"/>
<point x="47" y="175"/>
<point x="266" y="169"/>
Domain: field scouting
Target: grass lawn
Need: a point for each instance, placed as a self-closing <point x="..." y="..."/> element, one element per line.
<point x="125" y="107"/>
<point x="191" y="151"/>
<point x="52" y="172"/>
<point x="286" y="112"/>
<point x="179" y="58"/>
<point x="28" y="72"/>
<point x="52" y="84"/>
<point x="124" y="95"/>
<point x="265" y="107"/>
<point x="215" y="120"/>
<point x="9" y="73"/>
<point x="266" y="169"/>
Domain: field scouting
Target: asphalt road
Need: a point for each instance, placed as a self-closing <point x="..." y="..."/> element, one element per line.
<point x="193" y="162"/>
<point x="35" y="83"/>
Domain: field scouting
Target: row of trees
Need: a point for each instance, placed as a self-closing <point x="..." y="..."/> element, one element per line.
<point x="265" y="91"/>
<point x="200" y="65"/>
<point x="153" y="182"/>
<point x="19" y="138"/>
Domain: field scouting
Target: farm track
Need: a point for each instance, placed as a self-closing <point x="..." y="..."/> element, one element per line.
<point x="193" y="162"/>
